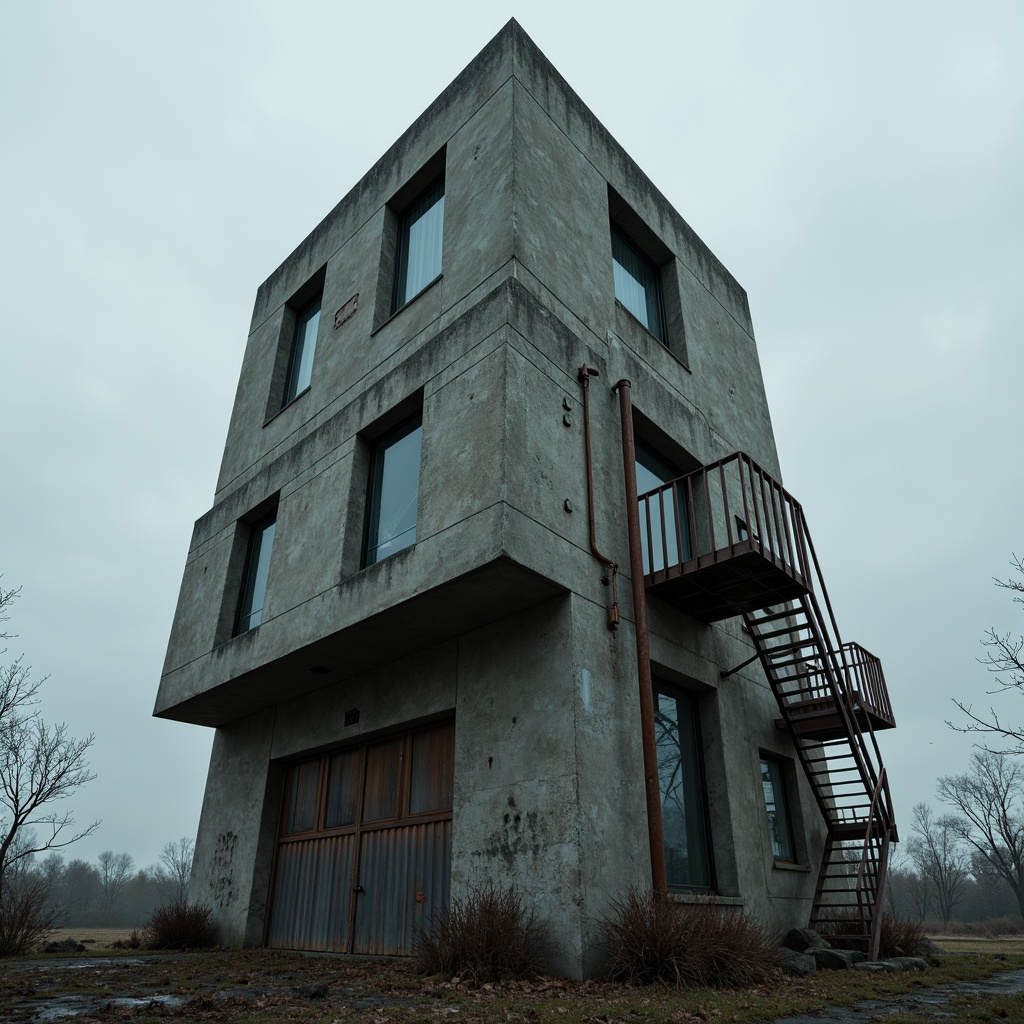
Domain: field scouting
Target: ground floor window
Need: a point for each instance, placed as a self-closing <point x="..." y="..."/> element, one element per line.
<point x="364" y="851"/>
<point x="780" y="830"/>
<point x="688" y="862"/>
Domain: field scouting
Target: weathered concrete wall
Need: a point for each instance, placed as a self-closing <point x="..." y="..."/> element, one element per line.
<point x="498" y="612"/>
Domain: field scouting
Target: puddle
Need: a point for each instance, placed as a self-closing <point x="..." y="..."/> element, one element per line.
<point x="1009" y="983"/>
<point x="62" y="1007"/>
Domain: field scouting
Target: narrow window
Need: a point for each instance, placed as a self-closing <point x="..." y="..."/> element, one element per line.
<point x="779" y="828"/>
<point x="652" y="472"/>
<point x="688" y="862"/>
<point x="638" y="285"/>
<point x="419" y="245"/>
<point x="254" y="579"/>
<point x="394" y="491"/>
<point x="300" y="364"/>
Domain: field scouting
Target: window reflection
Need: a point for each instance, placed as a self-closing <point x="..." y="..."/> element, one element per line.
<point x="395" y="492"/>
<point x="680" y="777"/>
<point x="419" y="244"/>
<point x="300" y="367"/>
<point x="257" y="568"/>
<point x="774" y="790"/>
<point x="652" y="471"/>
<point x="637" y="285"/>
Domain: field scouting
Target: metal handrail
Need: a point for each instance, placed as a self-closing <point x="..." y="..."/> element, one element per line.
<point x="716" y="512"/>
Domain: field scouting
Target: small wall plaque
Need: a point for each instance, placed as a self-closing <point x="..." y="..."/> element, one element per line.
<point x="346" y="311"/>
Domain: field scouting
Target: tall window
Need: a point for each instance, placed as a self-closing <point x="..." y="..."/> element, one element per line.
<point x="419" y="244"/>
<point x="254" y="580"/>
<point x="779" y="828"/>
<point x="688" y="862"/>
<point x="652" y="471"/>
<point x="300" y="364"/>
<point x="638" y="285"/>
<point x="394" y="491"/>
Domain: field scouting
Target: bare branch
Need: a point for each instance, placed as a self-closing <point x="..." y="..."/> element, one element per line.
<point x="1003" y="658"/>
<point x="40" y="764"/>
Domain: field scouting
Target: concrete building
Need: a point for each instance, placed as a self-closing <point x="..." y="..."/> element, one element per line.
<point x="411" y="612"/>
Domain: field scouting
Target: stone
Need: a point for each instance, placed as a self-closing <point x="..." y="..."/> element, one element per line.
<point x="910" y="963"/>
<point x="832" y="959"/>
<point x="803" y="939"/>
<point x="799" y="965"/>
<point x="928" y="948"/>
<point x="64" y="946"/>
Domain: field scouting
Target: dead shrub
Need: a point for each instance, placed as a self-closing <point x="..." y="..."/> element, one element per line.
<point x="181" y="925"/>
<point x="26" y="915"/>
<point x="1004" y="926"/>
<point x="650" y="939"/>
<point x="899" y="936"/>
<point x="135" y="940"/>
<point x="488" y="936"/>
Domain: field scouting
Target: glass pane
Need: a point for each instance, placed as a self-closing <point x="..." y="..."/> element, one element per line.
<point x="687" y="857"/>
<point x="775" y="804"/>
<point x="433" y="770"/>
<point x="300" y="370"/>
<point x="396" y="491"/>
<point x="342" y="789"/>
<point x="254" y="589"/>
<point x="419" y="258"/>
<point x="637" y="285"/>
<point x="383" y="770"/>
<point x="651" y="472"/>
<point x="301" y="787"/>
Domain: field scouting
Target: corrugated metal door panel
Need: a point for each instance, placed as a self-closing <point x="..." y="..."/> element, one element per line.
<point x="405" y="873"/>
<point x="312" y="893"/>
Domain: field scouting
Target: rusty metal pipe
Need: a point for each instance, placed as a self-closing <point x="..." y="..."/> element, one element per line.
<point x="655" y="832"/>
<point x="584" y="375"/>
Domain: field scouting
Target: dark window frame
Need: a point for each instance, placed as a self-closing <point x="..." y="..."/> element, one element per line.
<point x="654" y="319"/>
<point x="423" y="205"/>
<point x="371" y="538"/>
<point x="677" y="693"/>
<point x="294" y="386"/>
<point x="258" y="548"/>
<point x="781" y="797"/>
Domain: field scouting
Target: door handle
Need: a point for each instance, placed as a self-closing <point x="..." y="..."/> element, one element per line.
<point x="358" y="888"/>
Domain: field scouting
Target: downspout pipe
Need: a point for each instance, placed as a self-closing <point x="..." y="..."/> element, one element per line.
<point x="652" y="788"/>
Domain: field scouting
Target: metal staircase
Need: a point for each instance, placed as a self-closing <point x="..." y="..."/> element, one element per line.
<point x="729" y="540"/>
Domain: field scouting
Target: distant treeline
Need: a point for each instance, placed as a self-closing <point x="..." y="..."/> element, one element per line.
<point x="112" y="892"/>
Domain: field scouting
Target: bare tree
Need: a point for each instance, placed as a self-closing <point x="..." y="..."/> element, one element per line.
<point x="990" y="800"/>
<point x="939" y="854"/>
<point x="115" y="874"/>
<point x="1004" y="659"/>
<point x="177" y="859"/>
<point x="40" y="764"/>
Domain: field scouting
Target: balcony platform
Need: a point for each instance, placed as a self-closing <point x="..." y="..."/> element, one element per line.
<point x="819" y="719"/>
<point x="733" y="580"/>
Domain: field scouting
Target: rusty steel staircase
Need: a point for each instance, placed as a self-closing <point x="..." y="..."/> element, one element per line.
<point x="728" y="540"/>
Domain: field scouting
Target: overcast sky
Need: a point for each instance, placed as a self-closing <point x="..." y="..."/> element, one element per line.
<point x="858" y="167"/>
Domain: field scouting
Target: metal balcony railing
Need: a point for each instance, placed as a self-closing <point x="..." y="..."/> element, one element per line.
<point x="717" y="512"/>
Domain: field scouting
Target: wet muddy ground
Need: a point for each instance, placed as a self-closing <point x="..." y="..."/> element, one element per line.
<point x="272" y="987"/>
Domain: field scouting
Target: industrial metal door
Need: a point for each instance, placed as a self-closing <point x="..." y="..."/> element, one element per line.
<point x="364" y="851"/>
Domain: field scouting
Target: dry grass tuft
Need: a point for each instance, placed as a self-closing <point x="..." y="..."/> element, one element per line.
<point x="650" y="939"/>
<point x="899" y="936"/>
<point x="181" y="926"/>
<point x="488" y="936"/>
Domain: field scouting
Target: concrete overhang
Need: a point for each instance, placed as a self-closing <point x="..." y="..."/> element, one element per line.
<point x="483" y="595"/>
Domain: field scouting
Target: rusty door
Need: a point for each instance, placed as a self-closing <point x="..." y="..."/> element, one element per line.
<point x="365" y="845"/>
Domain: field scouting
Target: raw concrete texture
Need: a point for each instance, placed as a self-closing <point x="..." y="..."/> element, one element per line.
<point x="498" y="613"/>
